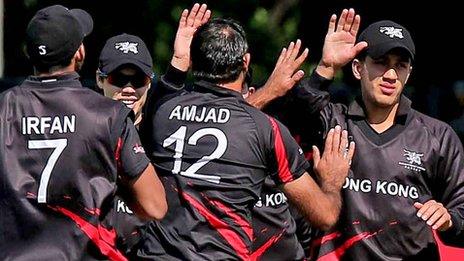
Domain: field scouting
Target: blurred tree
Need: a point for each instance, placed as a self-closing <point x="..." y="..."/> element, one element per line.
<point x="270" y="25"/>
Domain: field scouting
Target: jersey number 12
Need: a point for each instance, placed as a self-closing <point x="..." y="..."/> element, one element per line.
<point x="178" y="137"/>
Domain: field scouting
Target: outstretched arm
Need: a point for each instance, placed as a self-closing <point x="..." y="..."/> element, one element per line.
<point x="285" y="75"/>
<point x="339" y="44"/>
<point x="321" y="205"/>
<point x="189" y="22"/>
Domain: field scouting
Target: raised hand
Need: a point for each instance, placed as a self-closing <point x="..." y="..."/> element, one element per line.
<point x="332" y="168"/>
<point x="435" y="214"/>
<point x="285" y="75"/>
<point x="339" y="44"/>
<point x="189" y="22"/>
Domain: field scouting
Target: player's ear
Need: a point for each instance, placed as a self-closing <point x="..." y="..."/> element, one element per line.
<point x="356" y="67"/>
<point x="99" y="80"/>
<point x="80" y="53"/>
<point x="246" y="61"/>
<point x="251" y="90"/>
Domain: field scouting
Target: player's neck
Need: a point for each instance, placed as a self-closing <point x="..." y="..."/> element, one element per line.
<point x="56" y="72"/>
<point x="235" y="85"/>
<point x="381" y="118"/>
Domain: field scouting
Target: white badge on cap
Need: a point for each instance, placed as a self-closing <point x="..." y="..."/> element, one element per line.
<point x="392" y="31"/>
<point x="127" y="47"/>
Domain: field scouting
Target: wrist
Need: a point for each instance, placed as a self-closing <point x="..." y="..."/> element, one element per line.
<point x="180" y="63"/>
<point x="326" y="71"/>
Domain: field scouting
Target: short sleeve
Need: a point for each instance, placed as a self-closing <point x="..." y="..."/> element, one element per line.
<point x="130" y="155"/>
<point x="286" y="157"/>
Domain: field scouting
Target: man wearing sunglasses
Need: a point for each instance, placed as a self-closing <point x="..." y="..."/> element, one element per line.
<point x="125" y="71"/>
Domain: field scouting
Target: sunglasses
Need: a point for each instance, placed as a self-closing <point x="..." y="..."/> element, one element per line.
<point x="120" y="80"/>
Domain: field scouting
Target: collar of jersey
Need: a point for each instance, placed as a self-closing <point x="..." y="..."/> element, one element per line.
<point x="218" y="90"/>
<point x="357" y="107"/>
<point x="63" y="80"/>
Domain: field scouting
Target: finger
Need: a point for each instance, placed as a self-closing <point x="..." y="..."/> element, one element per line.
<point x="351" y="150"/>
<point x="349" y="20"/>
<point x="342" y="20"/>
<point x="298" y="76"/>
<point x="359" y="47"/>
<point x="445" y="219"/>
<point x="282" y="55"/>
<point x="418" y="205"/>
<point x="427" y="210"/>
<point x="336" y="139"/>
<point x="199" y="16"/>
<point x="193" y="13"/>
<point x="289" y="50"/>
<point x="344" y="143"/>
<point x="355" y="27"/>
<point x="206" y="17"/>
<point x="332" y="22"/>
<point x="316" y="156"/>
<point x="296" y="50"/>
<point x="299" y="61"/>
<point x="436" y="216"/>
<point x="183" y="18"/>
<point x="430" y="211"/>
<point x="329" y="141"/>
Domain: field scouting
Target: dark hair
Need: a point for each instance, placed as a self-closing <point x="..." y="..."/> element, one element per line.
<point x="46" y="68"/>
<point x="217" y="51"/>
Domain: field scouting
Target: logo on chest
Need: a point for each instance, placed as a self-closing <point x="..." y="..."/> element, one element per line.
<point x="413" y="160"/>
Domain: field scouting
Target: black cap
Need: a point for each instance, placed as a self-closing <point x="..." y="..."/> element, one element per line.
<point x="55" y="33"/>
<point x="125" y="49"/>
<point x="384" y="36"/>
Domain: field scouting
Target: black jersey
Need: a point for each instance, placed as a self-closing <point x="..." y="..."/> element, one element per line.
<point x="63" y="147"/>
<point x="417" y="159"/>
<point x="127" y="225"/>
<point x="213" y="151"/>
<point x="275" y="229"/>
<point x="281" y="233"/>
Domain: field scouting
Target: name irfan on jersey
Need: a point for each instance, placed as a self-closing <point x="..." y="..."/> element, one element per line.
<point x="48" y="125"/>
<point x="204" y="114"/>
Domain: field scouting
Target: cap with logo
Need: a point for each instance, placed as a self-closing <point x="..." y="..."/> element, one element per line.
<point x="383" y="36"/>
<point x="125" y="49"/>
<point x="55" y="33"/>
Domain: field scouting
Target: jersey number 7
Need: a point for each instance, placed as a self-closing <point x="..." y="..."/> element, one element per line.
<point x="58" y="146"/>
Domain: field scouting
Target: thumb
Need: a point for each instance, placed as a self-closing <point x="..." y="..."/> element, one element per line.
<point x="418" y="205"/>
<point x="316" y="156"/>
<point x="359" y="47"/>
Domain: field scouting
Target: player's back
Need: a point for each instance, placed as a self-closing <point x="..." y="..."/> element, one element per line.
<point x="58" y="170"/>
<point x="213" y="151"/>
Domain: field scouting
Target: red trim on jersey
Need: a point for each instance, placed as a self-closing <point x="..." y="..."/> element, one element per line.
<point x="284" y="171"/>
<point x="324" y="239"/>
<point x="117" y="154"/>
<point x="340" y="251"/>
<point x="238" y="219"/>
<point x="103" y="238"/>
<point x="235" y="241"/>
<point x="256" y="255"/>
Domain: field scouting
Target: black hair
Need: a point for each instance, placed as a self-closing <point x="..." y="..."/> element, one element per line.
<point x="217" y="51"/>
<point x="46" y="68"/>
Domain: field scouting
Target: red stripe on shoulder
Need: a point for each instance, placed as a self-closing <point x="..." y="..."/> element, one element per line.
<point x="281" y="154"/>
